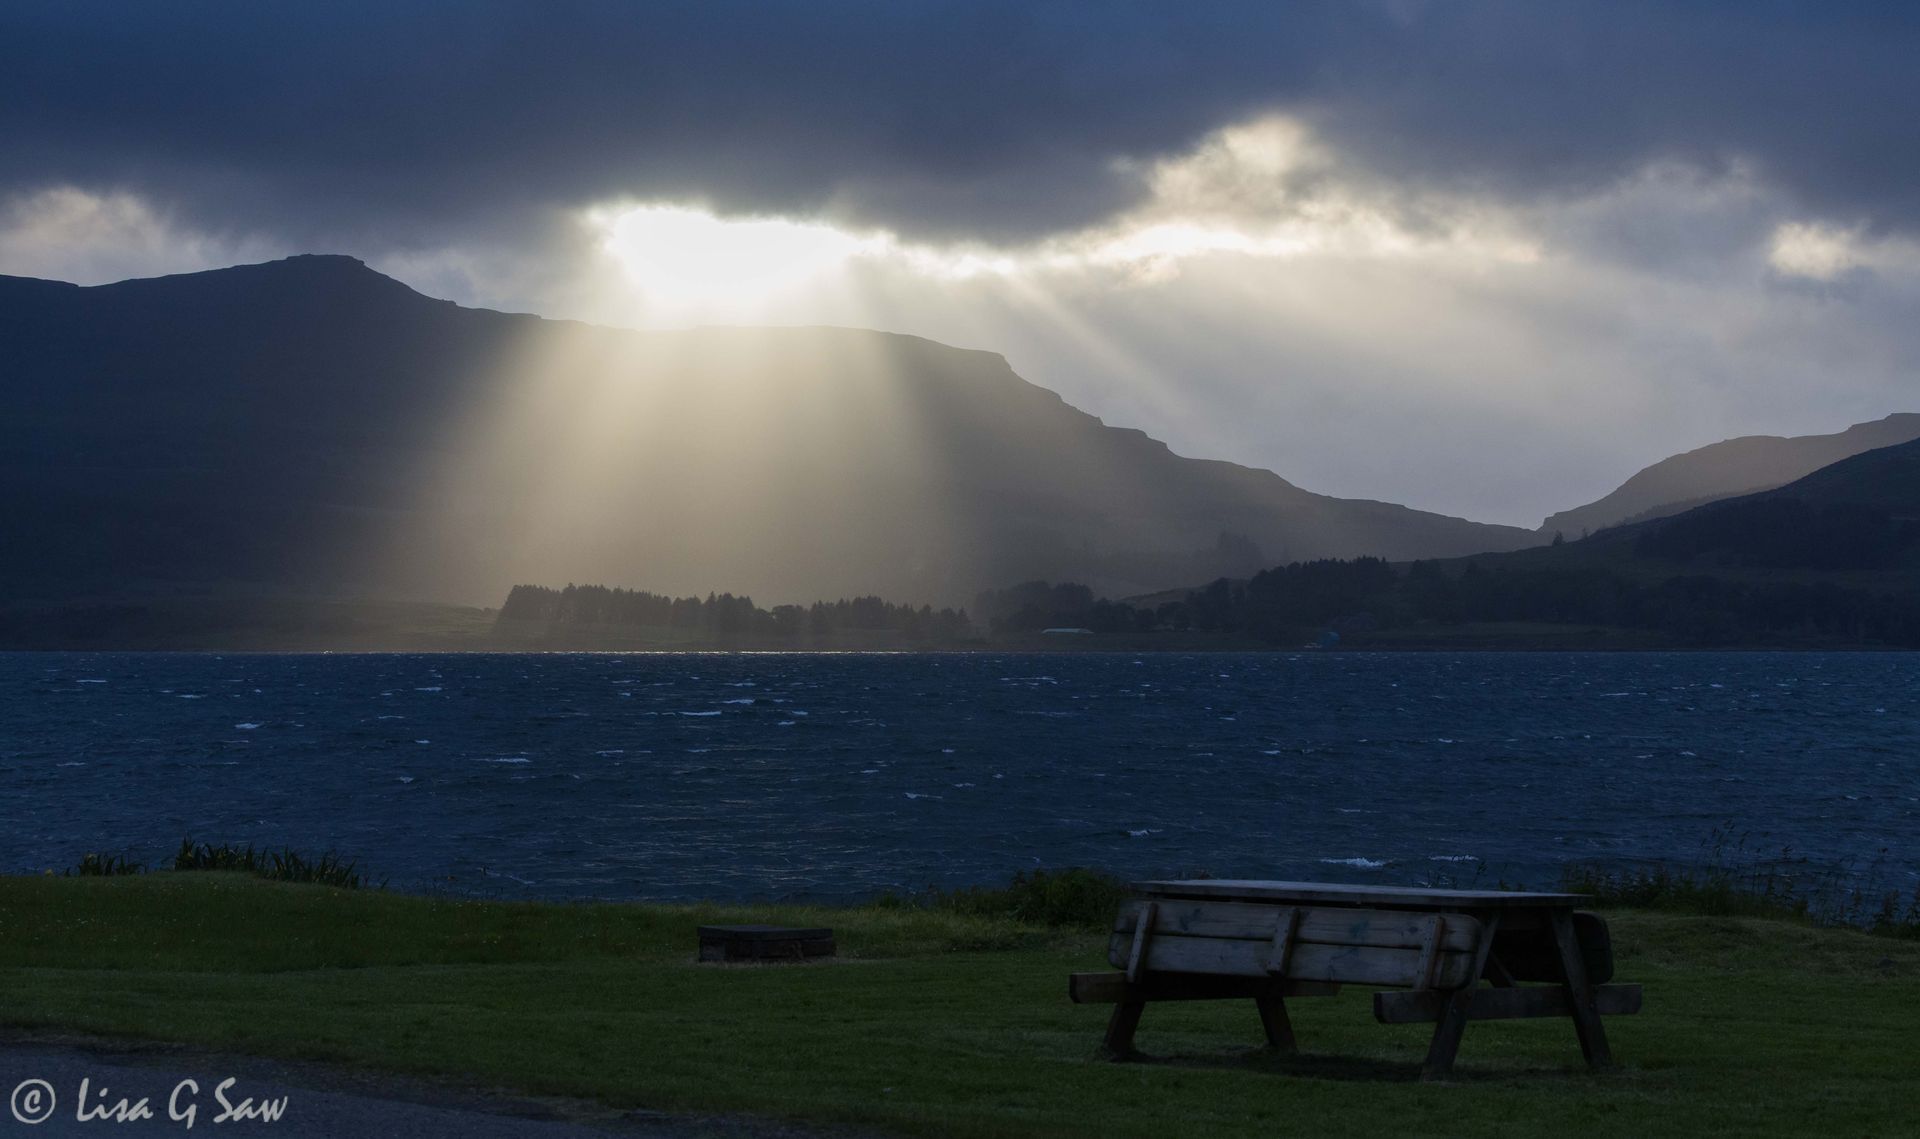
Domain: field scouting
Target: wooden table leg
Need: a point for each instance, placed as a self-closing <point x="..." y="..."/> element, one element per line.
<point x="1580" y="1001"/>
<point x="1120" y="1029"/>
<point x="1453" y="1018"/>
<point x="1273" y="1018"/>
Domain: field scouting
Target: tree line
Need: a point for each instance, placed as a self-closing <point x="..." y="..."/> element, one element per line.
<point x="1696" y="604"/>
<point x="725" y="614"/>
<point x="1291" y="604"/>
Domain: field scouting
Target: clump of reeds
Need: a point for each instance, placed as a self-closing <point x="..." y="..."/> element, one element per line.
<point x="1729" y="881"/>
<point x="284" y="865"/>
<point x="1074" y="897"/>
<point x="106" y="866"/>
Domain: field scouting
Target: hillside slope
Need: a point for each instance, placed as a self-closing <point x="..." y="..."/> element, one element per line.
<point x="1734" y="467"/>
<point x="310" y="424"/>
<point x="1829" y="561"/>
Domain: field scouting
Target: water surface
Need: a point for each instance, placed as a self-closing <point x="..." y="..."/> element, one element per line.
<point x="836" y="776"/>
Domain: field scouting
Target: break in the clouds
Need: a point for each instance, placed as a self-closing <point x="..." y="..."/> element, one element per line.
<point x="1480" y="257"/>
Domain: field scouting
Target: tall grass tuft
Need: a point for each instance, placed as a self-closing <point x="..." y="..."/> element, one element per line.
<point x="1729" y="881"/>
<point x="106" y="866"/>
<point x="279" y="865"/>
<point x="1072" y="898"/>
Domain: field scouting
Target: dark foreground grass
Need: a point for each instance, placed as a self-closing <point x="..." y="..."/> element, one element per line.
<point x="942" y="1022"/>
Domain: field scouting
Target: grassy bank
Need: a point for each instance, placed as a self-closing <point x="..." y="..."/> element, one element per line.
<point x="936" y="1021"/>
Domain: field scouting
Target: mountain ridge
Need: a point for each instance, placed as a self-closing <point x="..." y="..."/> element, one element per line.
<point x="1731" y="468"/>
<point x="311" y="423"/>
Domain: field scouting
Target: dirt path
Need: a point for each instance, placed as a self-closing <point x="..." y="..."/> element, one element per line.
<point x="318" y="1101"/>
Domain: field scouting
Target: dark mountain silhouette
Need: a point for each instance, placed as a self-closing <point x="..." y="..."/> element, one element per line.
<point x="1831" y="560"/>
<point x="1734" y="467"/>
<point x="1887" y="478"/>
<point x="1858" y="515"/>
<point x="311" y="425"/>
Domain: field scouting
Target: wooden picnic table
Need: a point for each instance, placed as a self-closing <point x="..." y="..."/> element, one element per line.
<point x="1377" y="897"/>
<point x="1396" y="938"/>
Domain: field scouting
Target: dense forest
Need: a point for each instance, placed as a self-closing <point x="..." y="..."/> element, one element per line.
<point x="1750" y="571"/>
<point x="1037" y="605"/>
<point x="727" y="616"/>
<point x="1776" y="532"/>
<point x="1299" y="603"/>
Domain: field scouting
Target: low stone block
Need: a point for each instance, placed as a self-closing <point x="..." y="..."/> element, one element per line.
<point x="765" y="943"/>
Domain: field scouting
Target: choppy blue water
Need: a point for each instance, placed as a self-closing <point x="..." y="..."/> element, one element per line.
<point x="769" y="776"/>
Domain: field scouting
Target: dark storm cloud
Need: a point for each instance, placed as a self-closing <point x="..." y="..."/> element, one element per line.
<point x="415" y="122"/>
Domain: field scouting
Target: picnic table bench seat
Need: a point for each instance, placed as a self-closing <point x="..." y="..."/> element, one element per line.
<point x="1430" y="962"/>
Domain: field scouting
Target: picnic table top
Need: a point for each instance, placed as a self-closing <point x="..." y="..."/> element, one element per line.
<point x="1339" y="893"/>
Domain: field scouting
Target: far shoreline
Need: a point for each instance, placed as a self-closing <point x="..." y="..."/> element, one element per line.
<point x="1425" y="649"/>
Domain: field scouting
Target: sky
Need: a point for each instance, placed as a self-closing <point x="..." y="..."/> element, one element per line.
<point x="1486" y="258"/>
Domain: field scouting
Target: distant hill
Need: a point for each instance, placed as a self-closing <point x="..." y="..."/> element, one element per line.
<point x="1856" y="515"/>
<point x="1887" y="479"/>
<point x="1831" y="560"/>
<point x="312" y="426"/>
<point x="1723" y="470"/>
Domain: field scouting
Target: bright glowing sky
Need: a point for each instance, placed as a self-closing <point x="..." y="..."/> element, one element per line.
<point x="1485" y="258"/>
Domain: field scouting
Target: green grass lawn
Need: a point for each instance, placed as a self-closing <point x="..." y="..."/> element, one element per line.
<point x="940" y="1024"/>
